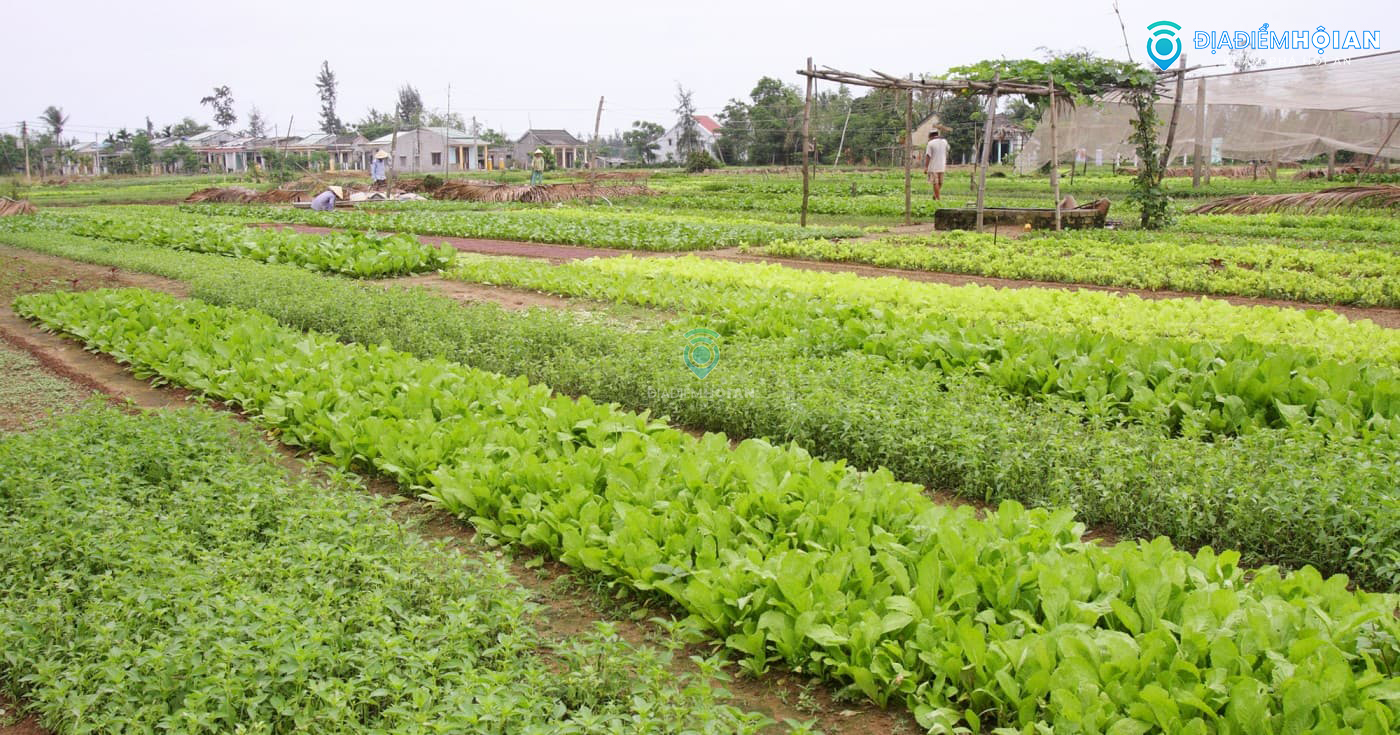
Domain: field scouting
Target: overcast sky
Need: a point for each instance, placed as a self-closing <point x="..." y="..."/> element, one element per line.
<point x="545" y="63"/>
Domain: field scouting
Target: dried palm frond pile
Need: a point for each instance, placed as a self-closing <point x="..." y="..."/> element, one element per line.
<point x="11" y="207"/>
<point x="240" y="195"/>
<point x="1222" y="172"/>
<point x="236" y="194"/>
<point x="1321" y="173"/>
<point x="488" y="191"/>
<point x="283" y="196"/>
<point x="1341" y="197"/>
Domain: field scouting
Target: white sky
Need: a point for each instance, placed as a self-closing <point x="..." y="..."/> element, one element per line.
<point x="546" y="62"/>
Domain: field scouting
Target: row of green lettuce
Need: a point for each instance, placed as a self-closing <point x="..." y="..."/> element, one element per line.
<point x="353" y="253"/>
<point x="1280" y="496"/>
<point x="160" y="573"/>
<point x="566" y="226"/>
<point x="698" y="285"/>
<point x="1362" y="277"/>
<point x="1009" y="620"/>
<point x="1187" y="387"/>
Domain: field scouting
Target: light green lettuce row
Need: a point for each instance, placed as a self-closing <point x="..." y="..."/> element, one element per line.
<point x="627" y="230"/>
<point x="1363" y="277"/>
<point x="1010" y="620"/>
<point x="703" y="285"/>
<point x="1187" y="387"/>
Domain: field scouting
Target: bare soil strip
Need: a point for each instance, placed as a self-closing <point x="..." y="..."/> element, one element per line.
<point x="573" y="604"/>
<point x="1382" y="316"/>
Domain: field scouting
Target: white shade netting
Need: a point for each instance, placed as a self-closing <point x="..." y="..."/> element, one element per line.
<point x="1286" y="114"/>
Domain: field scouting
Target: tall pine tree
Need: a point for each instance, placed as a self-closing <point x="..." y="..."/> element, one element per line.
<point x="325" y="89"/>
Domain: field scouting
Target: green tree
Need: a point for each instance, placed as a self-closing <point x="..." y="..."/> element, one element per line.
<point x="776" y="117"/>
<point x="375" y="124"/>
<point x="180" y="157"/>
<point x="222" y="102"/>
<point x="56" y="120"/>
<point x="963" y="117"/>
<point x="641" y="140"/>
<point x="495" y="137"/>
<point x="409" y="108"/>
<point x="257" y="126"/>
<point x="452" y="120"/>
<point x="736" y="132"/>
<point x="325" y="90"/>
<point x="877" y="125"/>
<point x="142" y="152"/>
<point x="688" y="130"/>
<point x="185" y="128"/>
<point x="11" y="154"/>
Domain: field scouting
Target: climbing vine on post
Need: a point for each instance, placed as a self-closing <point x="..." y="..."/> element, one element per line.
<point x="1147" y="191"/>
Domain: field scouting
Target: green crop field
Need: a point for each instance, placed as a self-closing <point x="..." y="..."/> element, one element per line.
<point x="1074" y="506"/>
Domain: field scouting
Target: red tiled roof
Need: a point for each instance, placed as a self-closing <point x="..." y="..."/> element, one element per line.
<point x="707" y="123"/>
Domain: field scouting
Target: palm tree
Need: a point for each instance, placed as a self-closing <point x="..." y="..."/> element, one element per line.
<point x="55" y="119"/>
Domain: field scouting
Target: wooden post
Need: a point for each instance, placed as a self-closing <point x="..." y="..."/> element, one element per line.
<point x="393" y="161"/>
<point x="1331" y="163"/>
<point x="842" y="145"/>
<point x="24" y="134"/>
<point x="807" y="142"/>
<point x="908" y="156"/>
<point x="1379" y="149"/>
<point x="1202" y="150"/>
<point x="597" y="121"/>
<point x="447" y="136"/>
<point x="1273" y="166"/>
<point x="986" y="146"/>
<point x="1176" y="113"/>
<point x="1054" y="155"/>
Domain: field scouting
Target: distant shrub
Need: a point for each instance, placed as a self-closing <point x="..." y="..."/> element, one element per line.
<point x="700" y="161"/>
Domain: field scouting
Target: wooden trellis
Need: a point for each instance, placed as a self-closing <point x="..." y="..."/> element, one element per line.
<point x="880" y="80"/>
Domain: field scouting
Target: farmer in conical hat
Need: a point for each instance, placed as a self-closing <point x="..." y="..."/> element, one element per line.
<point x="325" y="201"/>
<point x="376" y="168"/>
<point x="537" y="167"/>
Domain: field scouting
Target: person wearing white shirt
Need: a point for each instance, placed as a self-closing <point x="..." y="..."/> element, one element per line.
<point x="936" y="162"/>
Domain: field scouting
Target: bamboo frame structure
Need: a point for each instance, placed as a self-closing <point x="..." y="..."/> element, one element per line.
<point x="881" y="80"/>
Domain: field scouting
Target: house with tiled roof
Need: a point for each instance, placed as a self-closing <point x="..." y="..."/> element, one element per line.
<point x="568" y="150"/>
<point x="705" y="126"/>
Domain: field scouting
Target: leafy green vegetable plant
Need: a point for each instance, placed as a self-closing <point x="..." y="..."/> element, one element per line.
<point x="1009" y="620"/>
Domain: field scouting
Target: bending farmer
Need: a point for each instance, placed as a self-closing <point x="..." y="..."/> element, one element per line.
<point x="325" y="201"/>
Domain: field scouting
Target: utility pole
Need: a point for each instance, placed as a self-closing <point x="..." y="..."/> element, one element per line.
<point x="597" y="123"/>
<point x="446" y="137"/>
<point x="24" y="133"/>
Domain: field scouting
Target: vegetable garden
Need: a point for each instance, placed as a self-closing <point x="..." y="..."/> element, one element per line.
<point x="1182" y="513"/>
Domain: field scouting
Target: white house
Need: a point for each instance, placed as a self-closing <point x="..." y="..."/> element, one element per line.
<point x="422" y="150"/>
<point x="709" y="137"/>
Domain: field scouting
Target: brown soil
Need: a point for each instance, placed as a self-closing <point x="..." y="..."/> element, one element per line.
<point x="26" y="726"/>
<point x="510" y="298"/>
